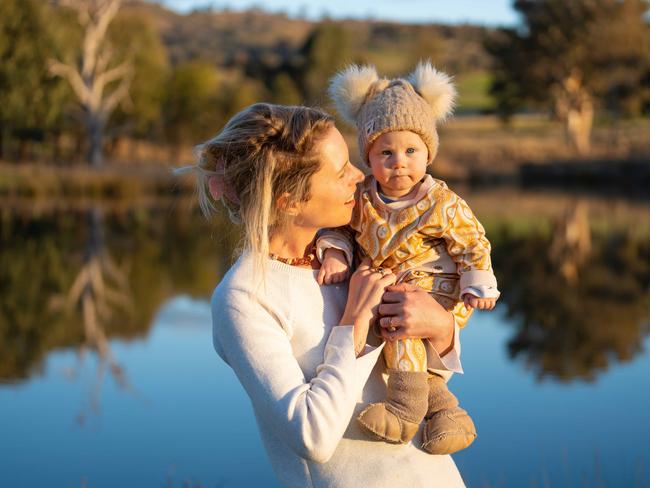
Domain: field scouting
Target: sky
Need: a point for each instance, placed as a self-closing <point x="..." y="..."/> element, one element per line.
<point x="485" y="12"/>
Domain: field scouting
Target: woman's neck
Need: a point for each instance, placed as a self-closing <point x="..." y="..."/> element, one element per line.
<point x="293" y="242"/>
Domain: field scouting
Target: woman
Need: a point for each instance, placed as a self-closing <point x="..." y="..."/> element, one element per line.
<point x="299" y="349"/>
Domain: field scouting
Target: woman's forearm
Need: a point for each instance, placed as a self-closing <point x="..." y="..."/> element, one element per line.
<point x="310" y="415"/>
<point x="361" y="326"/>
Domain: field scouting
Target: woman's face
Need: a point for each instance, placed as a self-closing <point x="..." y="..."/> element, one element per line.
<point x="332" y="186"/>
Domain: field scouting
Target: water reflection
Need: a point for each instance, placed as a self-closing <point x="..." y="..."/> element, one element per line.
<point x="72" y="279"/>
<point x="99" y="290"/>
<point x="580" y="303"/>
<point x="76" y="279"/>
<point x="577" y="296"/>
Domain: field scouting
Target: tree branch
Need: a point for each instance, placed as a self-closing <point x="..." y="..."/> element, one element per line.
<point x="57" y="68"/>
<point x="120" y="93"/>
<point x="123" y="70"/>
<point x="95" y="33"/>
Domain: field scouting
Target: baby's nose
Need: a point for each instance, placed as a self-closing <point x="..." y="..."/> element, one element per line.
<point x="399" y="161"/>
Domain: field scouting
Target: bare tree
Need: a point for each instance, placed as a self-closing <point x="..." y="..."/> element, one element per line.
<point x="96" y="70"/>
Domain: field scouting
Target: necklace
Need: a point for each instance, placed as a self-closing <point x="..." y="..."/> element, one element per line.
<point x="306" y="260"/>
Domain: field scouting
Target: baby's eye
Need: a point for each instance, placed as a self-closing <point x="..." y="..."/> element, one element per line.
<point x="385" y="152"/>
<point x="410" y="150"/>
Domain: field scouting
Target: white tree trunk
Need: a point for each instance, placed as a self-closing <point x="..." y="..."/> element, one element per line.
<point x="95" y="130"/>
<point x="578" y="128"/>
<point x="90" y="78"/>
<point x="574" y="106"/>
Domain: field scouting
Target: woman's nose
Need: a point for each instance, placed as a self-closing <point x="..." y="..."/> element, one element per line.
<point x="357" y="175"/>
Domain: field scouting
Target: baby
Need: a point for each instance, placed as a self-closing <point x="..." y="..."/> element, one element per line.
<point x="411" y="223"/>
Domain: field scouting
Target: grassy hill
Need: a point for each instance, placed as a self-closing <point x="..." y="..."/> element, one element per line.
<point x="237" y="39"/>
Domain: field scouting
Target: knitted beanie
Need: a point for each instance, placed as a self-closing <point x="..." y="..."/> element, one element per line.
<point x="377" y="106"/>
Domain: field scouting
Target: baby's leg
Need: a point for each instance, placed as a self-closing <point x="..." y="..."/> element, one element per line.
<point x="449" y="427"/>
<point x="405" y="355"/>
<point x="398" y="418"/>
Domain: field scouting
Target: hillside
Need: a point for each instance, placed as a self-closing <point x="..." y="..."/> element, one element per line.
<point x="230" y="38"/>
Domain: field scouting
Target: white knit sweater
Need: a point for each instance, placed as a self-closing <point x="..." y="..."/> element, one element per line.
<point x="306" y="386"/>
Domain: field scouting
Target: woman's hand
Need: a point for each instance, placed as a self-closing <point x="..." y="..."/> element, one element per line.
<point x="365" y="291"/>
<point x="408" y="311"/>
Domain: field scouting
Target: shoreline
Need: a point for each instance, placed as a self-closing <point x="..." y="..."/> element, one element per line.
<point x="629" y="178"/>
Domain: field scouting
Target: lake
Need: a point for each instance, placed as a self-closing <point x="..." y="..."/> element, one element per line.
<point x="108" y="376"/>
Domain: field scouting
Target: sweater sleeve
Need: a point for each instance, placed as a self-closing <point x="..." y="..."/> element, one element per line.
<point x="309" y="416"/>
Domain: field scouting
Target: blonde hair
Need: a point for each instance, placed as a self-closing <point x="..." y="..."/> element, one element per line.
<point x="263" y="152"/>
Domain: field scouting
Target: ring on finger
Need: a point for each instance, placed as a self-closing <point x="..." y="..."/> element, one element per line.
<point x="391" y="327"/>
<point x="381" y="270"/>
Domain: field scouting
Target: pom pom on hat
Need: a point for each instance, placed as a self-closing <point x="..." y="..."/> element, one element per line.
<point x="349" y="88"/>
<point x="379" y="105"/>
<point x="435" y="87"/>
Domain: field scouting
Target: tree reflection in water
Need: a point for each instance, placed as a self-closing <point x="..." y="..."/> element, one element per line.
<point x="61" y="285"/>
<point x="99" y="290"/>
<point x="579" y="302"/>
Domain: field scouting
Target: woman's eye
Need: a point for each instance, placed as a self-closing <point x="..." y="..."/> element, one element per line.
<point x="410" y="150"/>
<point x="346" y="170"/>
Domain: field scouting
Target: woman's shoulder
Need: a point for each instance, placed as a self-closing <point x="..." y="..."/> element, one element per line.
<point x="234" y="281"/>
<point x="274" y="288"/>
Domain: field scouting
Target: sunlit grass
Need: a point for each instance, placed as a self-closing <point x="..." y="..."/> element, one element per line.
<point x="473" y="94"/>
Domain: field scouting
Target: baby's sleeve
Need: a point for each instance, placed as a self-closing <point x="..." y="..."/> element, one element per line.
<point x="341" y="238"/>
<point x="467" y="245"/>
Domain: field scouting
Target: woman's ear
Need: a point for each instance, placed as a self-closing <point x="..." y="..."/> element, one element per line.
<point x="216" y="187"/>
<point x="285" y="204"/>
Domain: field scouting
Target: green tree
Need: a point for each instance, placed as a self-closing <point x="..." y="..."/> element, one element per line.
<point x="284" y="90"/>
<point x="238" y="94"/>
<point x="327" y="49"/>
<point x="425" y="45"/>
<point x="571" y="56"/>
<point x="31" y="100"/>
<point x="136" y="37"/>
<point x="192" y="108"/>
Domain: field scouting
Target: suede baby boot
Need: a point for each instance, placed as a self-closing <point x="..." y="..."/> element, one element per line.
<point x="449" y="428"/>
<point x="398" y="418"/>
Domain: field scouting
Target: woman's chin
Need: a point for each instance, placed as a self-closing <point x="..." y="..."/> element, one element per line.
<point x="346" y="216"/>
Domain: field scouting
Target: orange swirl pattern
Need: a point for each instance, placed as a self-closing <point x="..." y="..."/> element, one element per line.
<point x="405" y="355"/>
<point x="407" y="238"/>
<point x="438" y="227"/>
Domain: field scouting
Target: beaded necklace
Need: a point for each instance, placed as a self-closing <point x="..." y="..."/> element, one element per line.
<point x="306" y="260"/>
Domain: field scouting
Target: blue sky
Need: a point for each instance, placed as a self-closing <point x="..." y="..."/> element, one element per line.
<point x="487" y="12"/>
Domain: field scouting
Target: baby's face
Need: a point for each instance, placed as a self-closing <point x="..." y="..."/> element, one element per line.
<point x="398" y="161"/>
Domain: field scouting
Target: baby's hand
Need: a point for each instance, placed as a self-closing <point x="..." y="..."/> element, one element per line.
<point x="472" y="301"/>
<point x="334" y="268"/>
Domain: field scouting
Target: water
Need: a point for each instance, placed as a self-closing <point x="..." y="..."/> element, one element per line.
<point x="556" y="377"/>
